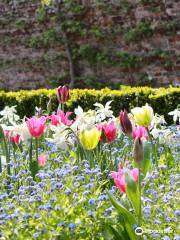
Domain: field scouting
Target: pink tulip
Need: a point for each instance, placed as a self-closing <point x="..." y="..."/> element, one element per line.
<point x="65" y="117"/>
<point x="109" y="131"/>
<point x="125" y="122"/>
<point x="63" y="94"/>
<point x="61" y="117"/>
<point x="140" y="132"/>
<point x="42" y="160"/>
<point x="119" y="178"/>
<point x="36" y="126"/>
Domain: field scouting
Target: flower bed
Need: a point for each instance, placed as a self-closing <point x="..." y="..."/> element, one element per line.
<point x="89" y="174"/>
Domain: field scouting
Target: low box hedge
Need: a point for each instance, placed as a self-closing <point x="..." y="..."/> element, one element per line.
<point x="162" y="100"/>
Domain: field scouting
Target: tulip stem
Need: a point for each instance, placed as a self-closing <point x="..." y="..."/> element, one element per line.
<point x="30" y="155"/>
<point x="139" y="183"/>
<point x="36" y="142"/>
<point x="15" y="165"/>
<point x="0" y="165"/>
<point x="7" y="155"/>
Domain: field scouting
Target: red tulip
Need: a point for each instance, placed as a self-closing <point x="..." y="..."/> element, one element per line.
<point x="36" y="126"/>
<point x="125" y="122"/>
<point x="14" y="138"/>
<point x="119" y="178"/>
<point x="63" y="94"/>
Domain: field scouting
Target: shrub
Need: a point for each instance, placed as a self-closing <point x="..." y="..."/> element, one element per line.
<point x="162" y="100"/>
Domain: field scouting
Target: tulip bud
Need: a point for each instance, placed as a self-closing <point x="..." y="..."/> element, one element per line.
<point x="138" y="150"/>
<point x="125" y="122"/>
<point x="63" y="94"/>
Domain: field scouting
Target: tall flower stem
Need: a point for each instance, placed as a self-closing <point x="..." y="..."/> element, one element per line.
<point x="16" y="165"/>
<point x="139" y="184"/>
<point x="0" y="165"/>
<point x="30" y="156"/>
<point x="6" y="150"/>
<point x="36" y="146"/>
<point x="7" y="154"/>
<point x="140" y="203"/>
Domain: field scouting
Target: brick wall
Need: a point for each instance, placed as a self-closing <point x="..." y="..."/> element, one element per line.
<point x="25" y="67"/>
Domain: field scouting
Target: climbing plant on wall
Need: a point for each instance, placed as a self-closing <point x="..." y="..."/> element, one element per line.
<point x="87" y="43"/>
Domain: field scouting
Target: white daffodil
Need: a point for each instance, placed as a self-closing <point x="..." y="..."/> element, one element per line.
<point x="9" y="114"/>
<point x="158" y="120"/>
<point x="83" y="119"/>
<point x="79" y="111"/>
<point x="175" y="114"/>
<point x="103" y="112"/>
<point x="61" y="137"/>
<point x="164" y="135"/>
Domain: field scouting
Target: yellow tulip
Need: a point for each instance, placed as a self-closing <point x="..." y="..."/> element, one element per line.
<point x="143" y="116"/>
<point x="89" y="138"/>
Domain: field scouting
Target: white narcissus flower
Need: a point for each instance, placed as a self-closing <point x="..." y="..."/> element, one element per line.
<point x="103" y="112"/>
<point x="9" y="114"/>
<point x="158" y="120"/>
<point x="79" y="111"/>
<point x="61" y="137"/>
<point x="164" y="135"/>
<point x="175" y="114"/>
<point x="83" y="119"/>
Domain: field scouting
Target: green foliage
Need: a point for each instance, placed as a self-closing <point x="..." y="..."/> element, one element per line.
<point x="143" y="79"/>
<point x="45" y="40"/>
<point x="149" y="2"/>
<point x="88" y="52"/>
<point x="128" y="60"/>
<point x="125" y="99"/>
<point x="142" y="30"/>
<point x="41" y="14"/>
<point x="21" y="24"/>
<point x="129" y="219"/>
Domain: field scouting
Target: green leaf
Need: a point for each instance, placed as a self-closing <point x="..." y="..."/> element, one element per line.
<point x="1" y="133"/>
<point x="132" y="192"/>
<point x="117" y="234"/>
<point x="128" y="217"/>
<point x="34" y="168"/>
<point x="146" y="163"/>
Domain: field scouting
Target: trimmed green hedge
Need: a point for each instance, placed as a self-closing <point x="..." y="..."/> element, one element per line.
<point x="162" y="100"/>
